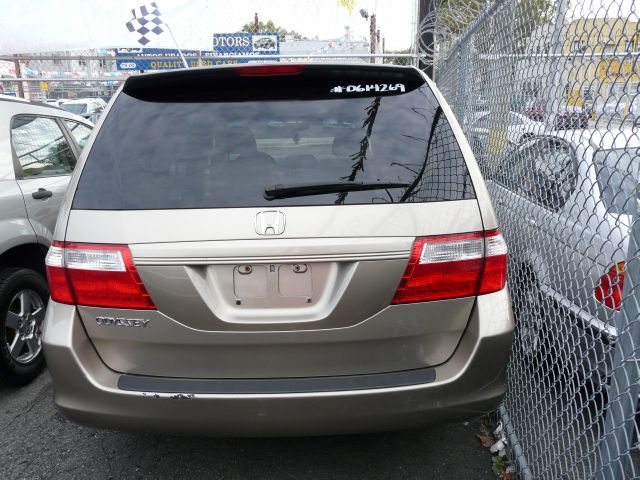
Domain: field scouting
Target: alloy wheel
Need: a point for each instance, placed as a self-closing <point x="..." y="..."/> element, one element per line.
<point x="23" y="326"/>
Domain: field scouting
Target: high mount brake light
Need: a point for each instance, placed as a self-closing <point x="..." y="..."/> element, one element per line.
<point x="609" y="288"/>
<point x="454" y="266"/>
<point x="95" y="275"/>
<point x="268" y="70"/>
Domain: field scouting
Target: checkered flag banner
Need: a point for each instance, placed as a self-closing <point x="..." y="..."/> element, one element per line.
<point x="146" y="20"/>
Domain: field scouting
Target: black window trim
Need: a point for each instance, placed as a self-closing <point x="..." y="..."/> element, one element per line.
<point x="70" y="133"/>
<point x="17" y="168"/>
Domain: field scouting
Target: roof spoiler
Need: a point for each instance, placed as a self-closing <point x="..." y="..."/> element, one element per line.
<point x="276" y="81"/>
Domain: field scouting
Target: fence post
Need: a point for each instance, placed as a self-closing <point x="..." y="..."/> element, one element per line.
<point x="625" y="381"/>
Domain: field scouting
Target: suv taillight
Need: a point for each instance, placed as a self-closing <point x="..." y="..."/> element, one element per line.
<point x="609" y="288"/>
<point x="95" y="275"/>
<point x="454" y="266"/>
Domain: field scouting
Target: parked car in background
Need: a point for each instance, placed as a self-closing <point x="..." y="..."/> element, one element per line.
<point x="296" y="251"/>
<point x="89" y="108"/>
<point x="53" y="102"/>
<point x="535" y="109"/>
<point x="40" y="147"/>
<point x="567" y="117"/>
<point x="568" y="199"/>
<point x="518" y="129"/>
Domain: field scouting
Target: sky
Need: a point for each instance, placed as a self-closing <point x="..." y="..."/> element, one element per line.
<point x="50" y="25"/>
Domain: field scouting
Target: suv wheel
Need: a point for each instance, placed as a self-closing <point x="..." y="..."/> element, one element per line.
<point x="23" y="300"/>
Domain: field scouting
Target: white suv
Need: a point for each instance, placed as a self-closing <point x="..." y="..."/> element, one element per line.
<point x="39" y="147"/>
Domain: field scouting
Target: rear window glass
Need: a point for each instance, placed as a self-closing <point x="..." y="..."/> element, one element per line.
<point x="224" y="149"/>
<point x="77" y="108"/>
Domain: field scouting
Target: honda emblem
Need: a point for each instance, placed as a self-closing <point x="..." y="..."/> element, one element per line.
<point x="270" y="222"/>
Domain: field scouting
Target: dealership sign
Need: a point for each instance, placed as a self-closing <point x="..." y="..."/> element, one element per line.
<point x="244" y="44"/>
<point x="159" y="58"/>
<point x="239" y="47"/>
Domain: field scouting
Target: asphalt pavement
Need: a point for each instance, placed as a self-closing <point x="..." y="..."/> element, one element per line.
<point x="37" y="442"/>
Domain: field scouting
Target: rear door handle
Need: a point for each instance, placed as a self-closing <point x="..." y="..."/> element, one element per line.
<point x="42" y="193"/>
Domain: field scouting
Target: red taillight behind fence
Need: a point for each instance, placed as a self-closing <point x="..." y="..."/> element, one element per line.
<point x="609" y="288"/>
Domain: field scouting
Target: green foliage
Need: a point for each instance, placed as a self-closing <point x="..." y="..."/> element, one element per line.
<point x="399" y="61"/>
<point x="497" y="465"/>
<point x="348" y="4"/>
<point x="269" y="26"/>
<point x="520" y="17"/>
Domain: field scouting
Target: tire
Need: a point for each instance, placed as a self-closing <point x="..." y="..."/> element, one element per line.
<point x="23" y="300"/>
<point x="530" y="339"/>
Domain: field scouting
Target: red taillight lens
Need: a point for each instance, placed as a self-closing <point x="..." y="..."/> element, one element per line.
<point x="95" y="275"/>
<point x="454" y="266"/>
<point x="609" y="288"/>
<point x="266" y="70"/>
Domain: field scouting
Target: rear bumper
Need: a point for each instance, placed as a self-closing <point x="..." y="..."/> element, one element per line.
<point x="470" y="383"/>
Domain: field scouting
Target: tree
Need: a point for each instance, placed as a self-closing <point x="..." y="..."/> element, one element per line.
<point x="399" y="60"/>
<point x="348" y="4"/>
<point x="455" y="16"/>
<point x="269" y="26"/>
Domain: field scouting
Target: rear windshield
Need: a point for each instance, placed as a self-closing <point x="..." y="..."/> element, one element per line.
<point x="77" y="108"/>
<point x="225" y="146"/>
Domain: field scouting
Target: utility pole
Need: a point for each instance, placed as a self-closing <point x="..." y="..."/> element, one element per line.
<point x="372" y="33"/>
<point x="426" y="36"/>
<point x="16" y="65"/>
<point x="256" y="23"/>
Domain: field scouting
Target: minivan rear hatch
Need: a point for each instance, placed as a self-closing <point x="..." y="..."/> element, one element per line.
<point x="270" y="212"/>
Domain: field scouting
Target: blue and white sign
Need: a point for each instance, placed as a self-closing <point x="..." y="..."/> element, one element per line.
<point x="138" y="58"/>
<point x="239" y="47"/>
<point x="243" y="44"/>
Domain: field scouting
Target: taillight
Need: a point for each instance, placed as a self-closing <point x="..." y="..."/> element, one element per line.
<point x="95" y="275"/>
<point x="609" y="288"/>
<point x="454" y="266"/>
<point x="271" y="69"/>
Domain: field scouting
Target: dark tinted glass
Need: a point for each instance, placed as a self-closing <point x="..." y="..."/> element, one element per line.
<point x="213" y="154"/>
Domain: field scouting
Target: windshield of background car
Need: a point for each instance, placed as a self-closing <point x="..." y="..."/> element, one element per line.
<point x="618" y="174"/>
<point x="220" y="141"/>
<point x="77" y="108"/>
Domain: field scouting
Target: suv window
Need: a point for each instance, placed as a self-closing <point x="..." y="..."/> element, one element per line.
<point x="168" y="153"/>
<point x="79" y="131"/>
<point x="617" y="173"/>
<point x="40" y="146"/>
<point x="545" y="171"/>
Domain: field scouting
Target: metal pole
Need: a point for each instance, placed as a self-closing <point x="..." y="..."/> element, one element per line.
<point x="553" y="79"/>
<point x="16" y="65"/>
<point x="624" y="387"/>
<point x="426" y="7"/>
<point x="184" y="60"/>
<point x="372" y="34"/>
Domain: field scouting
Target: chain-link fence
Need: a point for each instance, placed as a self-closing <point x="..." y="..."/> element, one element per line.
<point x="548" y="96"/>
<point x="48" y="59"/>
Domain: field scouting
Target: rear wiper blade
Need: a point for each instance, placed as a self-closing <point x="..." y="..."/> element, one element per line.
<point x="306" y="189"/>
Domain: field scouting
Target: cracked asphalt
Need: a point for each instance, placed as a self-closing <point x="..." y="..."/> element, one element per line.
<point x="36" y="442"/>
